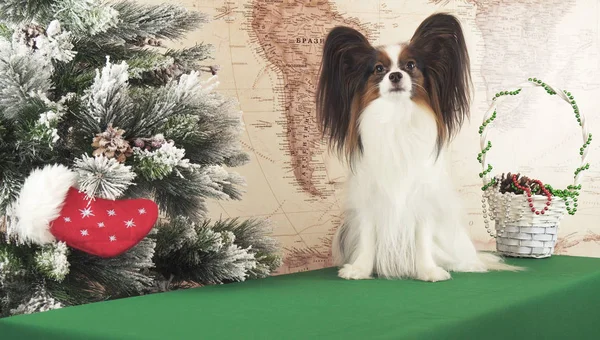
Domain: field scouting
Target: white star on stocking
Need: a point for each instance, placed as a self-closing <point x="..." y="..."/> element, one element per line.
<point x="101" y="225"/>
<point x="112" y="238"/>
<point x="129" y="223"/>
<point x="67" y="219"/>
<point x="87" y="212"/>
<point x="111" y="212"/>
<point x="142" y="211"/>
<point x="84" y="232"/>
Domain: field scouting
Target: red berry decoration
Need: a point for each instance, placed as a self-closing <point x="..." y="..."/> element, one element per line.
<point x="530" y="199"/>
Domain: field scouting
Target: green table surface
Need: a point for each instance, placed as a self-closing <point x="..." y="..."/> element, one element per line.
<point x="556" y="298"/>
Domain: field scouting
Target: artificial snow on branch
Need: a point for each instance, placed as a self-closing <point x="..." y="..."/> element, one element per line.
<point x="15" y="11"/>
<point x="138" y="22"/>
<point x="23" y="73"/>
<point x="159" y="163"/>
<point x="107" y="99"/>
<point x="41" y="301"/>
<point x="230" y="250"/>
<point x="86" y="17"/>
<point x="103" y="177"/>
<point x="51" y="261"/>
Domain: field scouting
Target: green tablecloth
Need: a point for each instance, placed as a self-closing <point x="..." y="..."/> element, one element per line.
<point x="557" y="298"/>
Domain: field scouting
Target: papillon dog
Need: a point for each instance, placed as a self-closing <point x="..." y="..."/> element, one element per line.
<point x="390" y="112"/>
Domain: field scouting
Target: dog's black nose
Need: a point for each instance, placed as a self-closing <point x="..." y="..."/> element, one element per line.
<point x="395" y="77"/>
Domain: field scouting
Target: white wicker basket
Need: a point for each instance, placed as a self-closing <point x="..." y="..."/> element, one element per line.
<point x="519" y="231"/>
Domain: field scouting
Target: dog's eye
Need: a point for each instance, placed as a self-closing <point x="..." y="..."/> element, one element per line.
<point x="410" y="65"/>
<point x="379" y="69"/>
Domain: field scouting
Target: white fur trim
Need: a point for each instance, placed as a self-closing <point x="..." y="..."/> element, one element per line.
<point x="40" y="202"/>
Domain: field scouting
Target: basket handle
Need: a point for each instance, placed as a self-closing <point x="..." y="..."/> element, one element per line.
<point x="490" y="115"/>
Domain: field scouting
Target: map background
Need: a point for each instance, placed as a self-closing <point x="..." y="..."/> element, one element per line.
<point x="534" y="134"/>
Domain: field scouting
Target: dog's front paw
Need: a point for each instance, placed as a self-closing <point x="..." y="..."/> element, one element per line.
<point x="352" y="272"/>
<point x="433" y="274"/>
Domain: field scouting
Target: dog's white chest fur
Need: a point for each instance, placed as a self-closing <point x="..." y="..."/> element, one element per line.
<point x="403" y="218"/>
<point x="397" y="167"/>
<point x="399" y="139"/>
<point x="394" y="185"/>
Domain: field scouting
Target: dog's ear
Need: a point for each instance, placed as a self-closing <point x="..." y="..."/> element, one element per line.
<point x="346" y="64"/>
<point x="440" y="45"/>
<point x="346" y="47"/>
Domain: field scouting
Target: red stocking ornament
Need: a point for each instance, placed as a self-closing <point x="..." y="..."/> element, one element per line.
<point x="50" y="208"/>
<point x="103" y="227"/>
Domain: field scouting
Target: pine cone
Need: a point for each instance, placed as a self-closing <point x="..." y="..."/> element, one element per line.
<point x="111" y="144"/>
<point x="30" y="32"/>
<point x="173" y="71"/>
<point x="143" y="41"/>
<point x="152" y="143"/>
<point x="506" y="184"/>
<point x="213" y="69"/>
<point x="160" y="76"/>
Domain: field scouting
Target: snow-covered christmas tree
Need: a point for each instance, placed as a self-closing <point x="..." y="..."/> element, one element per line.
<point x="90" y="99"/>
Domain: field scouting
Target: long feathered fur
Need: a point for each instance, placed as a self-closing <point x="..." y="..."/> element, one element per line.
<point x="346" y="63"/>
<point x="439" y="44"/>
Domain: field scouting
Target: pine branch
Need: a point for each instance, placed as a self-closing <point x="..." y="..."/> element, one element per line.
<point x="159" y="69"/>
<point x="190" y="56"/>
<point x="26" y="270"/>
<point x="138" y="22"/>
<point x="253" y="234"/>
<point x="21" y="75"/>
<point x="107" y="100"/>
<point x="207" y="140"/>
<point x="196" y="253"/>
<point x="34" y="143"/>
<point x="15" y="11"/>
<point x="76" y="76"/>
<point x="154" y="107"/>
<point x="40" y="301"/>
<point x="93" y="278"/>
<point x="10" y="185"/>
<point x="188" y="59"/>
<point x="25" y="144"/>
<point x="185" y="190"/>
<point x="175" y="195"/>
<point x="218" y="183"/>
<point x="5" y="32"/>
<point x="103" y="177"/>
<point x="18" y="282"/>
<point x="51" y="261"/>
<point x="93" y="53"/>
<point x="82" y="17"/>
<point x="188" y="95"/>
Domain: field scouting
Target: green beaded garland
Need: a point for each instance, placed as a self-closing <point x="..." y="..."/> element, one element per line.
<point x="585" y="145"/>
<point x="486" y="149"/>
<point x="572" y="191"/>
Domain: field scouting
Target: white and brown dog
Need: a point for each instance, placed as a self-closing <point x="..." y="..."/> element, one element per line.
<point x="391" y="111"/>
